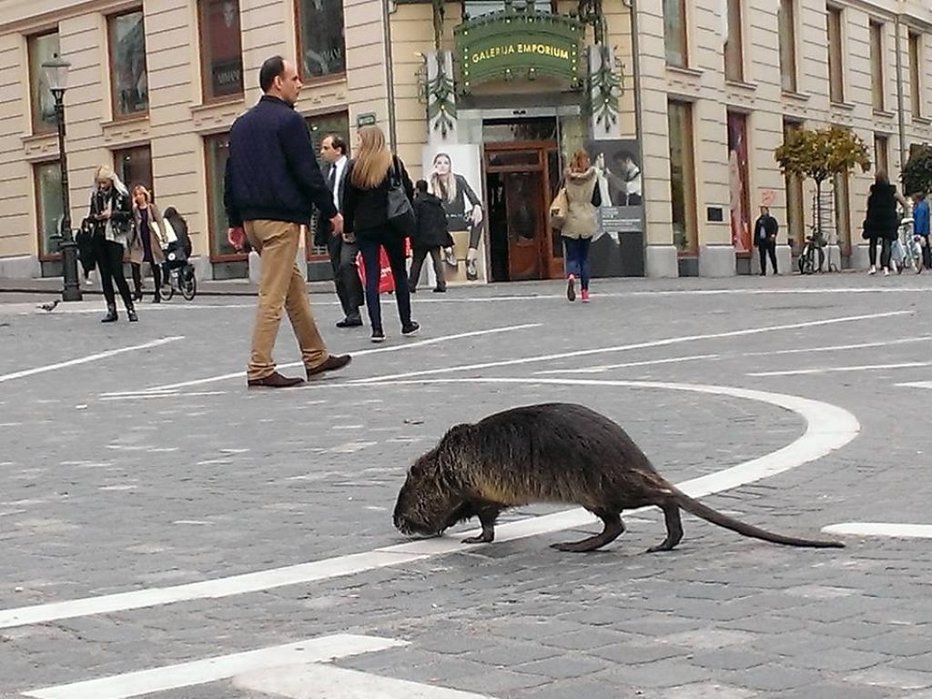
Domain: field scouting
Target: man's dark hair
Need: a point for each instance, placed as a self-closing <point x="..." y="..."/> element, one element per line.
<point x="271" y="69"/>
<point x="623" y="155"/>
<point x="421" y="186"/>
<point x="337" y="142"/>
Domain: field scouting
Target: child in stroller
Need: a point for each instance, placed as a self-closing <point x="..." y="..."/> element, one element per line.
<point x="179" y="272"/>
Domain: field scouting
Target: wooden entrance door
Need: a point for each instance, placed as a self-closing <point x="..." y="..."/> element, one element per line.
<point x="520" y="183"/>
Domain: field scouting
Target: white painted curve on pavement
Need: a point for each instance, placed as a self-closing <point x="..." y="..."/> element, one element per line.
<point x="828" y="428"/>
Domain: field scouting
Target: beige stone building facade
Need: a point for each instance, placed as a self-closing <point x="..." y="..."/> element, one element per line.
<point x="681" y="104"/>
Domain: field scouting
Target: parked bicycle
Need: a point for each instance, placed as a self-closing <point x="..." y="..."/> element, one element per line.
<point x="906" y="250"/>
<point x="812" y="257"/>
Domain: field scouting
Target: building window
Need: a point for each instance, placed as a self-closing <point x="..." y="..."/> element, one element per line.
<point x="128" y="75"/>
<point x="786" y="23"/>
<point x="915" y="82"/>
<point x="877" y="86"/>
<point x="217" y="152"/>
<point x="321" y="43"/>
<point x="134" y="166"/>
<point x="674" y="32"/>
<point x="836" y="75"/>
<point x="320" y="127"/>
<point x="881" y="153"/>
<point x="795" y="216"/>
<point x="734" y="49"/>
<point x="475" y="8"/>
<point x="682" y="177"/>
<point x="221" y="49"/>
<point x="41" y="47"/>
<point x="47" y="178"/>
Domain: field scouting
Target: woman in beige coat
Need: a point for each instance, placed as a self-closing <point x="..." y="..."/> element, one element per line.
<point x="584" y="197"/>
<point x="150" y="230"/>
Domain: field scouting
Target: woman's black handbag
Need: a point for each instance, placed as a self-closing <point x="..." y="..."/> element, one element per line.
<point x="400" y="212"/>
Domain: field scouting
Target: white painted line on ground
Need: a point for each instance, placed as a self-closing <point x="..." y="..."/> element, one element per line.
<point x="891" y="529"/>
<point x="915" y="384"/>
<point x="606" y="367"/>
<point x="835" y="348"/>
<point x="173" y="394"/>
<point x="88" y="358"/>
<point x="134" y="684"/>
<point x="639" y="345"/>
<point x="393" y="348"/>
<point x="828" y="428"/>
<point x="832" y="369"/>
<point x="318" y="681"/>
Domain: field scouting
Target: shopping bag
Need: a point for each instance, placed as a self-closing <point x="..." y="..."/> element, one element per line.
<point x="386" y="280"/>
<point x="559" y="208"/>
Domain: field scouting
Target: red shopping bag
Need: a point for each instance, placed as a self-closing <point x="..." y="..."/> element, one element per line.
<point x="386" y="280"/>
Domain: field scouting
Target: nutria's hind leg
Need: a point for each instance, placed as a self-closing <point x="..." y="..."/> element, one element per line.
<point x="614" y="528"/>
<point x="671" y="515"/>
<point x="487" y="516"/>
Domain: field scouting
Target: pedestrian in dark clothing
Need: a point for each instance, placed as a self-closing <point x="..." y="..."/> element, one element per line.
<point x="112" y="219"/>
<point x="85" y="242"/>
<point x="149" y="242"/>
<point x="365" y="204"/>
<point x="341" y="248"/>
<point x="882" y="221"/>
<point x="765" y="239"/>
<point x="272" y="184"/>
<point x="430" y="236"/>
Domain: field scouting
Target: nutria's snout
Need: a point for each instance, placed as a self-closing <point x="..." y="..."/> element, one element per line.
<point x="410" y="528"/>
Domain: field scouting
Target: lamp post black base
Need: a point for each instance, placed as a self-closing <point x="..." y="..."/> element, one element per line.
<point x="72" y="287"/>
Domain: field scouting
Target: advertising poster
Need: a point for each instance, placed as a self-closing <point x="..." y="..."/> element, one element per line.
<point x="618" y="246"/>
<point x="738" y="182"/>
<point x="454" y="174"/>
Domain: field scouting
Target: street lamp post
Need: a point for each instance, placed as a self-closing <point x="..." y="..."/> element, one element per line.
<point x="56" y="73"/>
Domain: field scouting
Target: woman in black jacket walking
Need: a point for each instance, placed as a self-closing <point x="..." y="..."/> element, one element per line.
<point x="111" y="218"/>
<point x="365" y="212"/>
<point x="430" y="235"/>
<point x="881" y="221"/>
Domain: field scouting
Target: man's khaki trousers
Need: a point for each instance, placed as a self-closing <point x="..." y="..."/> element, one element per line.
<point x="281" y="287"/>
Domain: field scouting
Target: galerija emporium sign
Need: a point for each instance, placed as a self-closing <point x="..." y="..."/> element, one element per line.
<point x="519" y="43"/>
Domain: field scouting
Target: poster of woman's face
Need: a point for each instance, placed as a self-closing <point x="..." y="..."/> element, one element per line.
<point x="454" y="175"/>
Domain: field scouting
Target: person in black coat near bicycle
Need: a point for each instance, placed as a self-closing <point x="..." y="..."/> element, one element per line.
<point x="765" y="239"/>
<point x="882" y="222"/>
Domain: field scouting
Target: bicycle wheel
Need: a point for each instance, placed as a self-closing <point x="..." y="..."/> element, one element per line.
<point x="188" y="288"/>
<point x="168" y="290"/>
<point x="805" y="262"/>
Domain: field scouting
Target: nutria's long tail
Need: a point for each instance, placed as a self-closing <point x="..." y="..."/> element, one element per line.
<point x="708" y="514"/>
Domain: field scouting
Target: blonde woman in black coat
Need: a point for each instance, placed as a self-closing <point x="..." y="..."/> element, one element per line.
<point x="365" y="212"/>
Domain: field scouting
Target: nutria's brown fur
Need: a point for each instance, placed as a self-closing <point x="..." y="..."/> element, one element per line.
<point x="555" y="452"/>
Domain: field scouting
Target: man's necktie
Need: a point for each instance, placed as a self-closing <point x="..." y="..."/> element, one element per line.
<point x="333" y="178"/>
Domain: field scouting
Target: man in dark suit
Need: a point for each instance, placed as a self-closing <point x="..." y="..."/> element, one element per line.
<point x="342" y="248"/>
<point x="765" y="238"/>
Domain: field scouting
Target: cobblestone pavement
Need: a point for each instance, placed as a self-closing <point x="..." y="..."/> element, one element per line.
<point x="110" y="487"/>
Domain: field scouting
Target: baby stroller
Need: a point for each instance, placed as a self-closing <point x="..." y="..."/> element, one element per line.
<point x="179" y="273"/>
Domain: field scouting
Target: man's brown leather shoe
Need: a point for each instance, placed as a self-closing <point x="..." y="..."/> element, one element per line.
<point x="275" y="380"/>
<point x="334" y="362"/>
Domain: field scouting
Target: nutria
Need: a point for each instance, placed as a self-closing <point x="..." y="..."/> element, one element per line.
<point x="554" y="452"/>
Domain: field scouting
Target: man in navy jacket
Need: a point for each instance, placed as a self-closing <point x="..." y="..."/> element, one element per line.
<point x="272" y="184"/>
